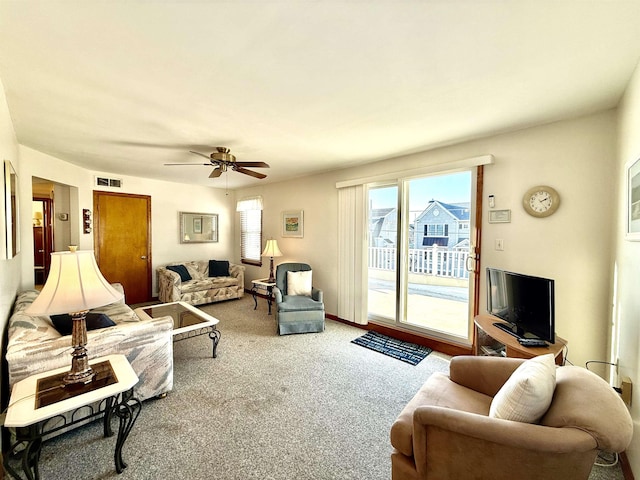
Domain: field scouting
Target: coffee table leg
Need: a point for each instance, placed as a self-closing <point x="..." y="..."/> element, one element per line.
<point x="215" y="335"/>
<point x="127" y="411"/>
<point x="255" y="301"/>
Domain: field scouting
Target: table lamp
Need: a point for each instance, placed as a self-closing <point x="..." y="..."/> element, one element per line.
<point x="271" y="250"/>
<point x="74" y="286"/>
<point x="37" y="219"/>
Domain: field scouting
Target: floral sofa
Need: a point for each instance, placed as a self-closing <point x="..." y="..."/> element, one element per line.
<point x="35" y="346"/>
<point x="200" y="282"/>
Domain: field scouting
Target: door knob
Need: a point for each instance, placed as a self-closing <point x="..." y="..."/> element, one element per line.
<point x="143" y="257"/>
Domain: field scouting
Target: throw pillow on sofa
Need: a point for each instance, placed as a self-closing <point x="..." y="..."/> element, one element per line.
<point x="180" y="270"/>
<point x="218" y="268"/>
<point x="64" y="323"/>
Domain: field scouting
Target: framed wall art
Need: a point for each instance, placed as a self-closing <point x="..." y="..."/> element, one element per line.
<point x="633" y="200"/>
<point x="293" y="224"/>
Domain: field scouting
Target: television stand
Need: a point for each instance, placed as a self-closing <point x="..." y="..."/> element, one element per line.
<point x="489" y="338"/>
<point x="507" y="328"/>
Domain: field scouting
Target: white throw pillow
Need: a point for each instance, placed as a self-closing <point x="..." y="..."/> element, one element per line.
<point x="299" y="283"/>
<point x="527" y="395"/>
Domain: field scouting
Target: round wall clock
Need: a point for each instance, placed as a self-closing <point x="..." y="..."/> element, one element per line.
<point x="541" y="201"/>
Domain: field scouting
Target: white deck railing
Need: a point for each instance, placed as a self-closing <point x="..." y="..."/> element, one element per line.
<point x="435" y="260"/>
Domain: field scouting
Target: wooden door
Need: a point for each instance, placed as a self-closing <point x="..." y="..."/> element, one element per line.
<point x="43" y="241"/>
<point x="122" y="241"/>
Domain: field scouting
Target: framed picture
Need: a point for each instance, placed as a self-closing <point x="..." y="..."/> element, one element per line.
<point x="197" y="225"/>
<point x="499" y="216"/>
<point x="293" y="224"/>
<point x="633" y="200"/>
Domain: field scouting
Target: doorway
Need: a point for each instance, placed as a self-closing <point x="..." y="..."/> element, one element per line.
<point x="53" y="219"/>
<point x="42" y="208"/>
<point x="422" y="239"/>
<point x="122" y="241"/>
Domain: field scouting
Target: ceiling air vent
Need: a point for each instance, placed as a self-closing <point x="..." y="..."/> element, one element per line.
<point x="108" y="182"/>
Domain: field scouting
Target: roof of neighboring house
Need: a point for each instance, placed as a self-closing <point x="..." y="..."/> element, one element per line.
<point x="460" y="211"/>
<point x="380" y="212"/>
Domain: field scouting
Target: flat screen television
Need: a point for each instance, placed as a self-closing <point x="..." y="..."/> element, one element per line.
<point x="526" y="303"/>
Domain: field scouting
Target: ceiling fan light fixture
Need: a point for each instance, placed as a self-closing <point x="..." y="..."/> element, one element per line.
<point x="222" y="154"/>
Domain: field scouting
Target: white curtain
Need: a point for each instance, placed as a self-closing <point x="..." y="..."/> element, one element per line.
<point x="352" y="239"/>
<point x="249" y="203"/>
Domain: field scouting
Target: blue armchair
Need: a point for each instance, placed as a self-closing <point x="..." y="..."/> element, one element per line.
<point x="297" y="313"/>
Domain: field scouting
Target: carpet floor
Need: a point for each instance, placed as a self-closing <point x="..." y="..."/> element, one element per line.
<point x="307" y="407"/>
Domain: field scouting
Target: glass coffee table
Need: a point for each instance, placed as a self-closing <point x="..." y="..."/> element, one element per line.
<point x="188" y="321"/>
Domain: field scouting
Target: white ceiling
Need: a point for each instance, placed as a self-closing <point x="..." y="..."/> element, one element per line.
<point x="306" y="86"/>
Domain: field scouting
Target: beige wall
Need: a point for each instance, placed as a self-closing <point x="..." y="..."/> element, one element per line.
<point x="167" y="199"/>
<point x="573" y="246"/>
<point x="626" y="312"/>
<point x="9" y="269"/>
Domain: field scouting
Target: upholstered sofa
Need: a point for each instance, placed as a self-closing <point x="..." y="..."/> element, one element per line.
<point x="193" y="284"/>
<point x="35" y="346"/>
<point x="449" y="429"/>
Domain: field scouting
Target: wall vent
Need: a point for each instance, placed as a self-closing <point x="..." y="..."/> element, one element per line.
<point x="108" y="182"/>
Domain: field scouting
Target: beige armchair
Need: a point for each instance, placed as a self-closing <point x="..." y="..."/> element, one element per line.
<point x="445" y="431"/>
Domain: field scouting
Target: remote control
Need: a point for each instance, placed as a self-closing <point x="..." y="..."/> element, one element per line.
<point x="532" y="342"/>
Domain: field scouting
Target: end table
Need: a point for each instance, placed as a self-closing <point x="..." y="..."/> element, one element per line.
<point x="38" y="398"/>
<point x="264" y="285"/>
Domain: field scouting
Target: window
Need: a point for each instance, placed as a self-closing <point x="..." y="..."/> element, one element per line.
<point x="250" y="230"/>
<point x="436" y="230"/>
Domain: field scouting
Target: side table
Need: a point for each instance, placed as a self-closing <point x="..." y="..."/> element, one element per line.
<point x="39" y="398"/>
<point x="264" y="285"/>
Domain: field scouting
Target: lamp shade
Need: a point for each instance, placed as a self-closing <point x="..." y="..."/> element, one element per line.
<point x="74" y="284"/>
<point x="271" y="249"/>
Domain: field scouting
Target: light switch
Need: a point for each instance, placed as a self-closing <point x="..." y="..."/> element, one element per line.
<point x="499" y="244"/>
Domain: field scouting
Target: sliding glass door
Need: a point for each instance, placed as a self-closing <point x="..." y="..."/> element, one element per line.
<point x="419" y="246"/>
<point x="382" y="252"/>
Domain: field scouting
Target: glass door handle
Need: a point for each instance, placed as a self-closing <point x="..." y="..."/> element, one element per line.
<point x="471" y="263"/>
<point x="143" y="257"/>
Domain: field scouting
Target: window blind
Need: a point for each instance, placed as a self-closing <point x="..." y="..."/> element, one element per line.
<point x="250" y="230"/>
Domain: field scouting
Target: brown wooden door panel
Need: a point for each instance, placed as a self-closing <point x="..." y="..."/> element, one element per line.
<point x="122" y="241"/>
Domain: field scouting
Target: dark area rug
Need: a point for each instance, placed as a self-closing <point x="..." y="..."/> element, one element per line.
<point x="392" y="347"/>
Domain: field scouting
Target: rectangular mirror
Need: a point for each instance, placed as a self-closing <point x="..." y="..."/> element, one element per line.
<point x="198" y="227"/>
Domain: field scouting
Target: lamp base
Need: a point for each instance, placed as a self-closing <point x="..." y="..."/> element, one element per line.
<point x="80" y="371"/>
<point x="271" y="277"/>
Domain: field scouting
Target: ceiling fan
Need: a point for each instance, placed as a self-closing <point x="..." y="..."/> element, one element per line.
<point x="223" y="160"/>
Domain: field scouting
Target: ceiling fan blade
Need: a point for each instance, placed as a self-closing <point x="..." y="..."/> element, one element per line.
<point x="205" y="164"/>
<point x="249" y="172"/>
<point x="201" y="154"/>
<point x="252" y="164"/>
<point x="216" y="173"/>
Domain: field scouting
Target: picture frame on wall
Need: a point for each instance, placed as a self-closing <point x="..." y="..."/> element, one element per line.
<point x="197" y="225"/>
<point x="633" y="200"/>
<point x="293" y="224"/>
